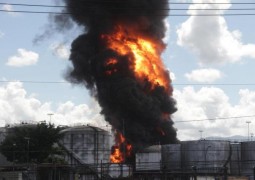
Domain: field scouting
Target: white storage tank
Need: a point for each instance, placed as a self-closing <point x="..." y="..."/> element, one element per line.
<point x="88" y="144"/>
<point x="248" y="158"/>
<point x="149" y="159"/>
<point x="207" y="156"/>
<point x="171" y="157"/>
<point x="235" y="163"/>
<point x="117" y="171"/>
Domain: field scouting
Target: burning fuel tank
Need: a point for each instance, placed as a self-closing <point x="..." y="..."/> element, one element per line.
<point x="248" y="158"/>
<point x="205" y="155"/>
<point x="86" y="145"/>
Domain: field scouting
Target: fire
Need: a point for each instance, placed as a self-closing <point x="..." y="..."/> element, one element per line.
<point x="111" y="61"/>
<point x="145" y="54"/>
<point x="110" y="65"/>
<point x="121" y="150"/>
<point x="117" y="155"/>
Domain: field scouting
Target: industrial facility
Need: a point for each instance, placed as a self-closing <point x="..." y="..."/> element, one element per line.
<point x="87" y="151"/>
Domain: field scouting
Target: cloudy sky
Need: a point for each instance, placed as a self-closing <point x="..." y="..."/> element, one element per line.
<point x="211" y="60"/>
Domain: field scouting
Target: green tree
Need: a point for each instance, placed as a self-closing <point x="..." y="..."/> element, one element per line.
<point x="32" y="143"/>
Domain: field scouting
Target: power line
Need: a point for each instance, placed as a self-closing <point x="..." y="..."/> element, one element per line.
<point x="31" y="5"/>
<point x="172" y="9"/>
<point x="38" y="82"/>
<point x="214" y="84"/>
<point x="55" y="6"/>
<point x="174" y="84"/>
<point x="120" y="2"/>
<point x="66" y="13"/>
<point x="215" y="119"/>
<point x="34" y="12"/>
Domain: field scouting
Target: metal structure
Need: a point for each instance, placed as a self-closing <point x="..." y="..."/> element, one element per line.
<point x="205" y="156"/>
<point x="235" y="162"/>
<point x="87" y="152"/>
<point x="248" y="158"/>
<point x="3" y="160"/>
<point x="171" y="157"/>
<point x="87" y="144"/>
<point x="149" y="159"/>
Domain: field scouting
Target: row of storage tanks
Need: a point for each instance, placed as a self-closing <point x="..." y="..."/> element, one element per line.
<point x="92" y="146"/>
<point x="202" y="156"/>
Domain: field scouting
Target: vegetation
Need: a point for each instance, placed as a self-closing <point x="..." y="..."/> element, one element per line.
<point x="32" y="143"/>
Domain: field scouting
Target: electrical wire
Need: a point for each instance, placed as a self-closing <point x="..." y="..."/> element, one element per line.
<point x="55" y="6"/>
<point x="215" y="119"/>
<point x="175" y="15"/>
<point x="36" y="82"/>
<point x="172" y="9"/>
<point x="120" y="2"/>
<point x="174" y="84"/>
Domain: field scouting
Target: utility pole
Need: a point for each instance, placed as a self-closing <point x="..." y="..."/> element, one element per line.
<point x="201" y="134"/>
<point x="50" y="114"/>
<point x="248" y="122"/>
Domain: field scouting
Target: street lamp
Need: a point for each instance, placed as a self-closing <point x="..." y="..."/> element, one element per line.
<point x="50" y="114"/>
<point x="248" y="122"/>
<point x="201" y="134"/>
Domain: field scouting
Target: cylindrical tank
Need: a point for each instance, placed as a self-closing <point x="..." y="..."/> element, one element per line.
<point x="206" y="156"/>
<point x="149" y="159"/>
<point x="235" y="162"/>
<point x="87" y="144"/>
<point x="248" y="158"/>
<point x="118" y="171"/>
<point x="171" y="157"/>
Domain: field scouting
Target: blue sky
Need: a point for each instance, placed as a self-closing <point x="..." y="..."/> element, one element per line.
<point x="204" y="55"/>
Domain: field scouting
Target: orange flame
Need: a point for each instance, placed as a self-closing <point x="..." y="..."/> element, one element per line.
<point x="121" y="150"/>
<point x="111" y="61"/>
<point x="145" y="54"/>
<point x="117" y="155"/>
<point x="110" y="65"/>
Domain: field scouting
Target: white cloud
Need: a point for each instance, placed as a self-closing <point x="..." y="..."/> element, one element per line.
<point x="182" y="1"/>
<point x="24" y="58"/>
<point x="17" y="106"/>
<point x="172" y="76"/>
<point x="204" y="75"/>
<point x="209" y="37"/>
<point x="60" y="50"/>
<point x="167" y="34"/>
<point x="9" y="9"/>
<point x="209" y="103"/>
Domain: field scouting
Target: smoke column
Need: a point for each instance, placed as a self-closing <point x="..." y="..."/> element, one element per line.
<point x="105" y="59"/>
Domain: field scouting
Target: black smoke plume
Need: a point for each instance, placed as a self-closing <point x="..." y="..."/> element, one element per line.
<point x="131" y="107"/>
